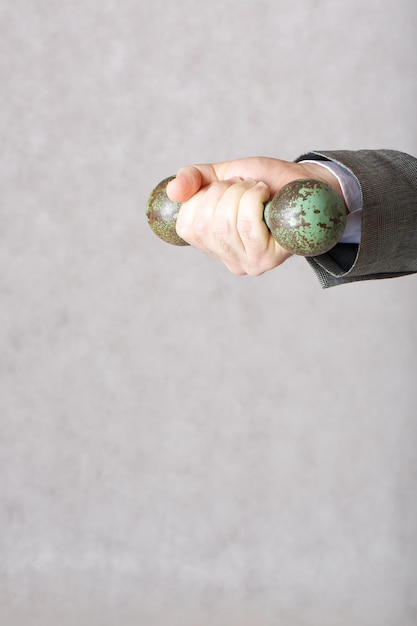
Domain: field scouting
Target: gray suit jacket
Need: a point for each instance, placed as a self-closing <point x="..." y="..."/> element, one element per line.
<point x="388" y="248"/>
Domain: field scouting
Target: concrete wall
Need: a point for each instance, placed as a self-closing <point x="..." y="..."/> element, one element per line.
<point x="179" y="446"/>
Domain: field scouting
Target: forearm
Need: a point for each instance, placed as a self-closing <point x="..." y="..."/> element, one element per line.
<point x="388" y="247"/>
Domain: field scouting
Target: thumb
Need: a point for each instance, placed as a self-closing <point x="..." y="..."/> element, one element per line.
<point x="189" y="180"/>
<point x="186" y="183"/>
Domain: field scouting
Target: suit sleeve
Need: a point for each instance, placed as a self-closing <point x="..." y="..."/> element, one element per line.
<point x="388" y="248"/>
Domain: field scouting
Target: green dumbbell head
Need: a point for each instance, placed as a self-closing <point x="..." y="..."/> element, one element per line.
<point x="307" y="217"/>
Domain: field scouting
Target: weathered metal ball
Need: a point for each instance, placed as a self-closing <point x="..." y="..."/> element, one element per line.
<point x="307" y="217"/>
<point x="162" y="214"/>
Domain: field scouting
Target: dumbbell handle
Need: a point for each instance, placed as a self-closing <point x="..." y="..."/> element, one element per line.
<point x="306" y="217"/>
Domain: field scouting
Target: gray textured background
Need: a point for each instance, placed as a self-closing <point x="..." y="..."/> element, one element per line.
<point x="179" y="445"/>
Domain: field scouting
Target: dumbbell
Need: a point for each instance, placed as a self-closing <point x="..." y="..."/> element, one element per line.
<point x="306" y="217"/>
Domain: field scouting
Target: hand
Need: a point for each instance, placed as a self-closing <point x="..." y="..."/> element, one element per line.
<point x="225" y="220"/>
<point x="222" y="208"/>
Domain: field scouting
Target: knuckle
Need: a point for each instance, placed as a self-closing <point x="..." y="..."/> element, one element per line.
<point x="261" y="263"/>
<point x="227" y="249"/>
<point x="237" y="270"/>
<point x="245" y="226"/>
<point x="254" y="266"/>
<point x="221" y="229"/>
<point x="201" y="228"/>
